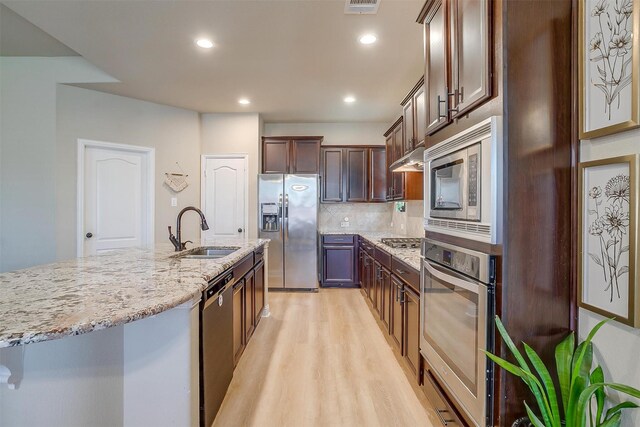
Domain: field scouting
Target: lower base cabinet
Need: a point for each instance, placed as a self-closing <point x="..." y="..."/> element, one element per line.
<point x="411" y="336"/>
<point x="339" y="261"/>
<point x="248" y="303"/>
<point x="397" y="315"/>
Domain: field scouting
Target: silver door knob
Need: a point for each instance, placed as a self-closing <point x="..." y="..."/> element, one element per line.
<point x="89" y="235"/>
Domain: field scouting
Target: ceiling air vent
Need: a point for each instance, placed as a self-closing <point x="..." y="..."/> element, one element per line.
<point x="368" y="7"/>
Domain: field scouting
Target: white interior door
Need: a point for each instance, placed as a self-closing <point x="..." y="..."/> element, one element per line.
<point x="224" y="197"/>
<point x="116" y="199"/>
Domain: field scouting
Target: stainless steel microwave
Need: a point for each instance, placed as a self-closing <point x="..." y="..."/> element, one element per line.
<point x="463" y="183"/>
<point x="455" y="190"/>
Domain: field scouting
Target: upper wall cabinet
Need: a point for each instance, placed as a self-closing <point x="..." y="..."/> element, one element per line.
<point x="289" y="154"/>
<point x="414" y="118"/>
<point x="457" y="58"/>
<point x="353" y="174"/>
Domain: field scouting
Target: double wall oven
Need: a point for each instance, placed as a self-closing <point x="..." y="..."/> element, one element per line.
<point x="456" y="316"/>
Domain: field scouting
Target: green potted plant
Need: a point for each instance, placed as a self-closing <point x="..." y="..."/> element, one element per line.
<point x="581" y="389"/>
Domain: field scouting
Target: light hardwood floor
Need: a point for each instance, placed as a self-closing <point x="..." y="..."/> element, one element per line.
<point x="321" y="360"/>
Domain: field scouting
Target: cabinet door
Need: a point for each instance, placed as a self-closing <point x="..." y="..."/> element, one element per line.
<point x="419" y="108"/>
<point x="249" y="295"/>
<point x="407" y="119"/>
<point x="238" y="321"/>
<point x="376" y="286"/>
<point x="469" y="20"/>
<point x="259" y="294"/>
<point x="390" y="159"/>
<point x="338" y="265"/>
<point x="368" y="267"/>
<point x="331" y="174"/>
<point x="305" y="156"/>
<point x="386" y="298"/>
<point x="377" y="175"/>
<point x="398" y="177"/>
<point x="435" y="76"/>
<point x="275" y="156"/>
<point x="397" y="315"/>
<point x="356" y="172"/>
<point x="361" y="270"/>
<point x="412" y="329"/>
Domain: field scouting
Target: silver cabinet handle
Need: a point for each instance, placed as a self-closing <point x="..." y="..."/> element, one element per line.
<point x="455" y="95"/>
<point x="446" y="106"/>
<point x="444" y="421"/>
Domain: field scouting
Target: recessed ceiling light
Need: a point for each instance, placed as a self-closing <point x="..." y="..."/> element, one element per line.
<point x="244" y="101"/>
<point x="368" y="39"/>
<point x="204" y="43"/>
<point x="349" y="99"/>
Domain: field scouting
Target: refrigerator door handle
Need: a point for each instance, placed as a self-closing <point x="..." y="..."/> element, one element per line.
<point x="286" y="214"/>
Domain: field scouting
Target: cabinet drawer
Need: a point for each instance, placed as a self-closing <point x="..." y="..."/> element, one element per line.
<point x="383" y="258"/>
<point x="338" y="239"/>
<point x="368" y="247"/>
<point x="243" y="266"/>
<point x="407" y="274"/>
<point x="259" y="254"/>
<point x="441" y="406"/>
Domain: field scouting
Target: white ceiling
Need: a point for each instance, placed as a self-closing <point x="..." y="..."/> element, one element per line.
<point x="296" y="60"/>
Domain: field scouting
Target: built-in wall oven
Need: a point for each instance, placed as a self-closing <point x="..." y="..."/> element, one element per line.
<point x="456" y="324"/>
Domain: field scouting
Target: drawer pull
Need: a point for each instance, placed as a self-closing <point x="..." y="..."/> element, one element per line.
<point x="444" y="421"/>
<point x="400" y="271"/>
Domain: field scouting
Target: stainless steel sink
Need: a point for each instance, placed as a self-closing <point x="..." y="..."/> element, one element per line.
<point x="208" y="252"/>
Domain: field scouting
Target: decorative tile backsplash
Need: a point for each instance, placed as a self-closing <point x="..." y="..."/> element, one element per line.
<point x="373" y="217"/>
<point x="361" y="216"/>
<point x="408" y="223"/>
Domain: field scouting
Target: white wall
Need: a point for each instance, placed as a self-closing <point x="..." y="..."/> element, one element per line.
<point x="236" y="134"/>
<point x="173" y="132"/>
<point x="28" y="145"/>
<point x="616" y="346"/>
<point x="334" y="133"/>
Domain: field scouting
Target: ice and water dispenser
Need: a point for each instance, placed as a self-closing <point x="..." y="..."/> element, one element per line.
<point x="269" y="215"/>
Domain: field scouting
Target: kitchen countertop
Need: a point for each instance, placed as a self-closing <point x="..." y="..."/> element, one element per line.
<point x="411" y="256"/>
<point x="96" y="292"/>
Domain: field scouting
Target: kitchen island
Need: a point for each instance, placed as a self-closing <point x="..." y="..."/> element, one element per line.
<point x="110" y="339"/>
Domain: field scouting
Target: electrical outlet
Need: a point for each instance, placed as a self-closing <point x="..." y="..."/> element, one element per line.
<point x="174" y="201"/>
<point x="344" y="224"/>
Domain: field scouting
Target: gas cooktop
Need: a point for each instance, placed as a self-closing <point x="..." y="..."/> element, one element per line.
<point x="402" y="242"/>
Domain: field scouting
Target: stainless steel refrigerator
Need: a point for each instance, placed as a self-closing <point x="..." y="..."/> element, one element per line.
<point x="288" y="215"/>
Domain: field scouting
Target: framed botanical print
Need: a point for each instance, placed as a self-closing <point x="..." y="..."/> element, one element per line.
<point x="607" y="240"/>
<point x="608" y="82"/>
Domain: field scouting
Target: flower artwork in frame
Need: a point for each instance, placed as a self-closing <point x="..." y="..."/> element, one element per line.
<point x="607" y="281"/>
<point x="608" y="78"/>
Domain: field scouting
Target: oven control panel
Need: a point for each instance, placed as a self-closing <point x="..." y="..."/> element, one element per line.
<point x="460" y="260"/>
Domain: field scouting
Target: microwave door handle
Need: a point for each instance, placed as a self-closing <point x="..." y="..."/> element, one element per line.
<point x="448" y="278"/>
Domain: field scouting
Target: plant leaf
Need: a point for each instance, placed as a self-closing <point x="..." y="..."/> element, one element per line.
<point x="564" y="354"/>
<point x="610" y="243"/>
<point x="597" y="376"/>
<point x="550" y="389"/>
<point x="624" y="249"/>
<point x="572" y="415"/>
<point x="585" y="396"/>
<point x="595" y="259"/>
<point x="618" y="409"/>
<point x="532" y="417"/>
<point x="614" y="421"/>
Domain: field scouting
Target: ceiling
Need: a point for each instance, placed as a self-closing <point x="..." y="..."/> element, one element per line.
<point x="295" y="60"/>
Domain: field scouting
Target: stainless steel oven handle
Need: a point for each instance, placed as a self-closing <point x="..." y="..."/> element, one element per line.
<point x="467" y="284"/>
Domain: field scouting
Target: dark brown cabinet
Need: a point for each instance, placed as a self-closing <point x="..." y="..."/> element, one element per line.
<point x="238" y="321"/>
<point x="411" y="332"/>
<point x="352" y="174"/>
<point x="397" y="315"/>
<point x="339" y="261"/>
<point x="259" y="294"/>
<point x="289" y="154"/>
<point x="248" y="300"/>
<point x="400" y="185"/>
<point x="457" y="59"/>
<point x="414" y="117"/>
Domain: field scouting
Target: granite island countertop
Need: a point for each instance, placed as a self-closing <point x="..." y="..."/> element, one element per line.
<point x="411" y="256"/>
<point x="96" y="292"/>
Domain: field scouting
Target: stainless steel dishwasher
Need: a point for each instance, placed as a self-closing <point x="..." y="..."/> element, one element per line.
<point x="216" y="345"/>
